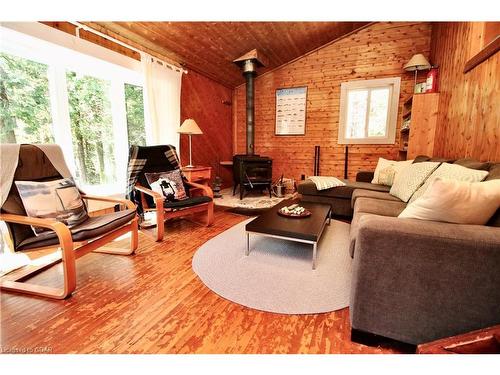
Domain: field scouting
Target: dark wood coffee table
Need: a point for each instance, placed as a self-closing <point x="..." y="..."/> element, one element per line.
<point x="305" y="230"/>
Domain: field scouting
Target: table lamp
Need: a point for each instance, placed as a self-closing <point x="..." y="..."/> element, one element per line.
<point x="416" y="63"/>
<point x="189" y="127"/>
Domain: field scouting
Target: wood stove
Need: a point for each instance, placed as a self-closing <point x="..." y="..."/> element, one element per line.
<point x="251" y="171"/>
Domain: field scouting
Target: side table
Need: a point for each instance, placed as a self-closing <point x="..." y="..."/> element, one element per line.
<point x="198" y="174"/>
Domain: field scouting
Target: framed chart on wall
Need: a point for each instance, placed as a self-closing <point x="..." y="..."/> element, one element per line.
<point x="291" y="106"/>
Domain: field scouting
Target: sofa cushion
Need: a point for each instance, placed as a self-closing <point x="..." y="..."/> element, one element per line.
<point x="437" y="159"/>
<point x="459" y="202"/>
<point x="410" y="179"/>
<point x="452" y="172"/>
<point x="378" y="207"/>
<point x="473" y="164"/>
<point x="363" y="193"/>
<point x="309" y="188"/>
<point x="421" y="158"/>
<point x="386" y="171"/>
<point x="494" y="172"/>
<point x="93" y="227"/>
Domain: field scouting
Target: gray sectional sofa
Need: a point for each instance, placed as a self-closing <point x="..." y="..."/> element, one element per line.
<point x="416" y="281"/>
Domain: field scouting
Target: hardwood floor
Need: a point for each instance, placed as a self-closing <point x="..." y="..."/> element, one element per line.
<point x="153" y="302"/>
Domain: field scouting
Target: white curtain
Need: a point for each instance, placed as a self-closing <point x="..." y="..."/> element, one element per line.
<point x="162" y="101"/>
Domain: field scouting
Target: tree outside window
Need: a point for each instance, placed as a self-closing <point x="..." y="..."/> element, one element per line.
<point x="25" y="115"/>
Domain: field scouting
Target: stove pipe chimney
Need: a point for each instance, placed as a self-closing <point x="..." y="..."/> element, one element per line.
<point x="249" y="72"/>
<point x="249" y="63"/>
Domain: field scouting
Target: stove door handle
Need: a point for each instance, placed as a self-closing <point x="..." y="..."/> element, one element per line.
<point x="248" y="178"/>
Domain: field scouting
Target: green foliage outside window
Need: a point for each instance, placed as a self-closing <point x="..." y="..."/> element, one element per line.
<point x="135" y="115"/>
<point x="91" y="128"/>
<point x="25" y="102"/>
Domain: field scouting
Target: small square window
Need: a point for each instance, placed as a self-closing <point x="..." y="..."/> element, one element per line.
<point x="368" y="111"/>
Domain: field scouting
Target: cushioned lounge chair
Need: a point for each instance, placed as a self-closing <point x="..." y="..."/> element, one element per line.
<point x="154" y="159"/>
<point x="90" y="235"/>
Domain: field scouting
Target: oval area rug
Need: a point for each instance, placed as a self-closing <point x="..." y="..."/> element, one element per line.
<point x="277" y="276"/>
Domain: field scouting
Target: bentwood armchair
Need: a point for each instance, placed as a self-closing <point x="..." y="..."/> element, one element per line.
<point x="74" y="242"/>
<point x="200" y="197"/>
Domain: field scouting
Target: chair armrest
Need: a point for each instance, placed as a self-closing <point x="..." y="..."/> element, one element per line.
<point x="206" y="190"/>
<point x="364" y="176"/>
<point x="158" y="198"/>
<point x="129" y="204"/>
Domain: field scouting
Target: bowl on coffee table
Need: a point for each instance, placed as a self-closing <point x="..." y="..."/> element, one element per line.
<point x="294" y="211"/>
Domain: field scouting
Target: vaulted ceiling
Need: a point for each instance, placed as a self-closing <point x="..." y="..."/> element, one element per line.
<point x="210" y="47"/>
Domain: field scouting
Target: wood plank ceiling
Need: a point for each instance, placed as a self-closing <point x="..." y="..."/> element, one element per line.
<point x="210" y="47"/>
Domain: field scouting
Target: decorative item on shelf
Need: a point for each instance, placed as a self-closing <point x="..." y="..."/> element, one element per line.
<point x="189" y="127"/>
<point x="431" y="83"/>
<point x="406" y="124"/>
<point x="420" y="88"/>
<point x="416" y="63"/>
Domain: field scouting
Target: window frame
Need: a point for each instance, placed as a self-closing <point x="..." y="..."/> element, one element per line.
<point x="63" y="53"/>
<point x="394" y="84"/>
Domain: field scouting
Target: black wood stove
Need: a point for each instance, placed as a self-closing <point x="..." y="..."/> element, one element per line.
<point x="251" y="171"/>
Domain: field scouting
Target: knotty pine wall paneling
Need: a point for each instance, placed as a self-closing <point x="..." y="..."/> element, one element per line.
<point x="209" y="104"/>
<point x="377" y="51"/>
<point x="469" y="111"/>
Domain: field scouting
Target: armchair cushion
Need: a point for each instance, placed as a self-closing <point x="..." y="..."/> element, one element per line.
<point x="169" y="184"/>
<point x="91" y="228"/>
<point x="59" y="199"/>
<point x="189" y="202"/>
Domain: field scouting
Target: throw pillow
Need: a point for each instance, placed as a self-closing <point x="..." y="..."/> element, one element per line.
<point x="411" y="178"/>
<point x="169" y="184"/>
<point x="451" y="172"/>
<point x="59" y="199"/>
<point x="456" y="202"/>
<point x="386" y="171"/>
<point x="325" y="182"/>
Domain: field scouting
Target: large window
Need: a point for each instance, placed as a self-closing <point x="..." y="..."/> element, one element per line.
<point x="368" y="111"/>
<point x="25" y="106"/>
<point x="93" y="108"/>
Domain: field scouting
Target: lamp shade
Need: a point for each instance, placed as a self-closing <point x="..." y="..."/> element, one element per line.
<point x="417" y="62"/>
<point x="189" y="126"/>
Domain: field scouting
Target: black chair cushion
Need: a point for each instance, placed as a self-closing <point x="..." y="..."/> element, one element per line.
<point x="93" y="227"/>
<point x="189" y="202"/>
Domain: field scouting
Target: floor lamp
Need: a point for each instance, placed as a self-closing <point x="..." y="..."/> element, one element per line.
<point x="189" y="127"/>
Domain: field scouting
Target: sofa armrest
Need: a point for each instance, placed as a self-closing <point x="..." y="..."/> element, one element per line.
<point x="417" y="281"/>
<point x="364" y="176"/>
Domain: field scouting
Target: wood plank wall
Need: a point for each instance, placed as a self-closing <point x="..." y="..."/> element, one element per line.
<point x="469" y="111"/>
<point x="378" y="51"/>
<point x="209" y="104"/>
